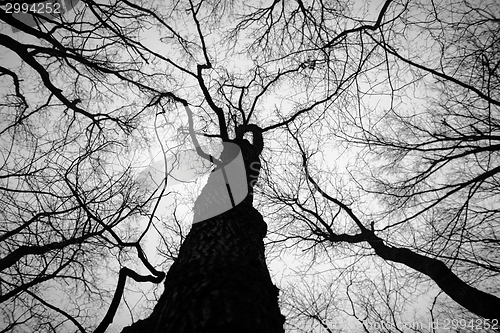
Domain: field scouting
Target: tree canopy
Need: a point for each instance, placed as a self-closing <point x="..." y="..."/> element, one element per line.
<point x="380" y="162"/>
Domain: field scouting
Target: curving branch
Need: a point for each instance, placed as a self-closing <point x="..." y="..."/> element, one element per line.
<point x="474" y="300"/>
<point x="195" y="140"/>
<point x="55" y="308"/>
<point x="218" y="110"/>
<point x="258" y="141"/>
<point x="435" y="72"/>
<point x="26" y="250"/>
<point x="374" y="27"/>
<point x="124" y="273"/>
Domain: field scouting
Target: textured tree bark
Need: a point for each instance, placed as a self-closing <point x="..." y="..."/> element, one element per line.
<point x="220" y="281"/>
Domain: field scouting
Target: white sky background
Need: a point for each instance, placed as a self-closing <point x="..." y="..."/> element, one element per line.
<point x="281" y="269"/>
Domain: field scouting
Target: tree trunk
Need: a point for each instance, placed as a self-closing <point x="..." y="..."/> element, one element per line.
<point x="220" y="281"/>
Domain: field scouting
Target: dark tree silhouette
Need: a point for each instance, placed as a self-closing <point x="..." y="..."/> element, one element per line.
<point x="406" y="91"/>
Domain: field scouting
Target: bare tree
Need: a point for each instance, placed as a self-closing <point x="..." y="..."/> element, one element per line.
<point x="410" y="88"/>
